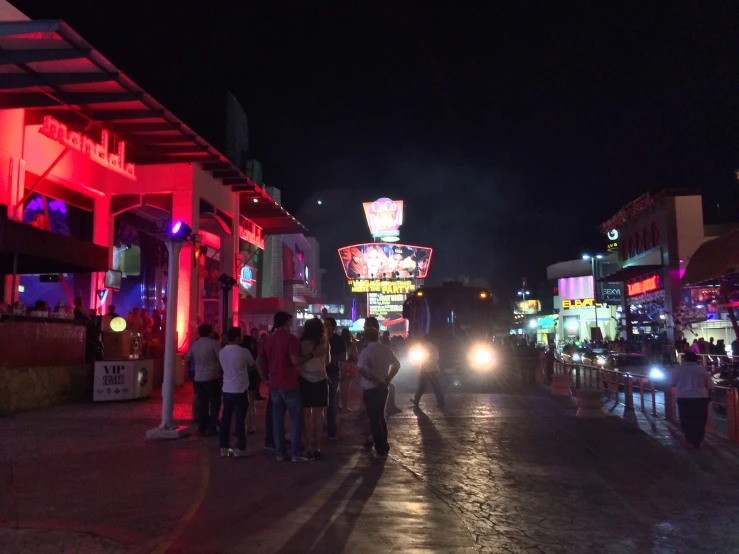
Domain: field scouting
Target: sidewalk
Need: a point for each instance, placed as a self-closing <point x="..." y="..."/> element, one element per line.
<point x="81" y="478"/>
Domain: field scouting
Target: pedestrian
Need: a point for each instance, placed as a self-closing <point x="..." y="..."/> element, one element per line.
<point x="377" y="367"/>
<point x="252" y="346"/>
<point x="235" y="362"/>
<point x="278" y="365"/>
<point x="693" y="386"/>
<point x="79" y="312"/>
<point x="338" y="355"/>
<point x="347" y="369"/>
<point x="314" y="385"/>
<point x="202" y="357"/>
<point x="428" y="367"/>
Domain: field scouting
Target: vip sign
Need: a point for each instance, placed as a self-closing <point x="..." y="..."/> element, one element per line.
<point x="97" y="152"/>
<point x="580" y="303"/>
<point x="384" y="217"/>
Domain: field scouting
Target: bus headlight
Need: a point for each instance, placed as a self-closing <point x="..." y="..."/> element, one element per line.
<point x="418" y="354"/>
<point x="656" y="374"/>
<point x="481" y="357"/>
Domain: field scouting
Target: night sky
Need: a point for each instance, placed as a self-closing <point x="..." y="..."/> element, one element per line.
<point x="511" y="131"/>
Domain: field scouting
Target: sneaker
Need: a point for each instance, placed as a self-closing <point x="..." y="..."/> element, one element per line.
<point x="280" y="458"/>
<point x="301" y="459"/>
<point x="225" y="452"/>
<point x="239" y="453"/>
<point x="269" y="447"/>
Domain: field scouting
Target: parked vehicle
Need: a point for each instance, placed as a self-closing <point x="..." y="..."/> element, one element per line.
<point x="596" y="357"/>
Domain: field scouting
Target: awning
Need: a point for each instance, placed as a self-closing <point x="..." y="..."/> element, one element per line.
<point x="716" y="258"/>
<point x="40" y="251"/>
<point x="629" y="273"/>
<point x="48" y="69"/>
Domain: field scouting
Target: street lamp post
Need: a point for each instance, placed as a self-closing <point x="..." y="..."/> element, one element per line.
<point x="592" y="270"/>
<point x="523" y="293"/>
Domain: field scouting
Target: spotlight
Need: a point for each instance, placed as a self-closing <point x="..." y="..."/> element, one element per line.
<point x="227" y="281"/>
<point x="181" y="230"/>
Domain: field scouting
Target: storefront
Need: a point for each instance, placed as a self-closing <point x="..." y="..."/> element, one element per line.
<point x="87" y="154"/>
<point x="580" y="315"/>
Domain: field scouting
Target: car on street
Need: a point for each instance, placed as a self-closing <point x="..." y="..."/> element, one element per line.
<point x="596" y="356"/>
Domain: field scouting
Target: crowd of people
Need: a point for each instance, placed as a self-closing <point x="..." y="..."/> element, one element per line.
<point x="309" y="379"/>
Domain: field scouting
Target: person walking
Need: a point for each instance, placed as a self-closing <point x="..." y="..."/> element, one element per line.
<point x="278" y="365"/>
<point x="203" y="357"/>
<point x="348" y="370"/>
<point x="313" y="385"/>
<point x="429" y="373"/>
<point x="693" y="385"/>
<point x="235" y="362"/>
<point x="377" y="367"/>
<point x="337" y="356"/>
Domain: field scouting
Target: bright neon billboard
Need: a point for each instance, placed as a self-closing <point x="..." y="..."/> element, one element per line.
<point x="384" y="218"/>
<point x="377" y="260"/>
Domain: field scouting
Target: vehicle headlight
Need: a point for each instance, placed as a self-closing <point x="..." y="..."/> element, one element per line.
<point x="576" y="357"/>
<point x="481" y="357"/>
<point x="656" y="374"/>
<point x="418" y="354"/>
<point x="602" y="361"/>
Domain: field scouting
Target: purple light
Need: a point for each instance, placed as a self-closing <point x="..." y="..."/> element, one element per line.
<point x="176" y="227"/>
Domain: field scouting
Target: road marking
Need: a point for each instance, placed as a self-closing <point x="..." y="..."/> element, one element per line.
<point x="169" y="539"/>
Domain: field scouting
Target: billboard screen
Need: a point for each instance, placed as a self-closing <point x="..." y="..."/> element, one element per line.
<point x="396" y="286"/>
<point x="384" y="217"/>
<point x="576" y="288"/>
<point x="527" y="307"/>
<point x="378" y="260"/>
<point x="385" y="305"/>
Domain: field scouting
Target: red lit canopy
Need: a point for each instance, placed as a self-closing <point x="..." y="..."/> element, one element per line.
<point x="48" y="69"/>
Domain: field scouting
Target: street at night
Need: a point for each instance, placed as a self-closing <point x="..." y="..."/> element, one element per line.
<point x="504" y="472"/>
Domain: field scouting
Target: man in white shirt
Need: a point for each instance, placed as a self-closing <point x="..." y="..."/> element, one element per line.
<point x="692" y="386"/>
<point x="377" y="367"/>
<point x="235" y="362"/>
<point x="202" y="356"/>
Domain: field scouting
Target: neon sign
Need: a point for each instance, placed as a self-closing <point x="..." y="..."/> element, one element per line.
<point x="384" y="218"/>
<point x="645" y="285"/>
<point x="381" y="286"/>
<point x="580" y="303"/>
<point x="252" y="234"/>
<point x="98" y="153"/>
<point x="247" y="277"/>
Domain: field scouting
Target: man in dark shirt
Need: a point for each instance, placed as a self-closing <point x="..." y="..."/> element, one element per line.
<point x="338" y="354"/>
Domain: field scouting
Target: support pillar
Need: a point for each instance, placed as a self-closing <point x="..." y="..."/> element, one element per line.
<point x="103" y="228"/>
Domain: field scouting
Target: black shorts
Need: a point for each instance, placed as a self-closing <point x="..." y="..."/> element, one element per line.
<point x="254" y="381"/>
<point x="314" y="395"/>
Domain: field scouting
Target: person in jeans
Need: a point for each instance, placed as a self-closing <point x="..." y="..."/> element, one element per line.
<point x="338" y="355"/>
<point x="377" y="367"/>
<point x="693" y="386"/>
<point x="277" y="364"/>
<point x="202" y="356"/>
<point x="235" y="362"/>
<point x="429" y="373"/>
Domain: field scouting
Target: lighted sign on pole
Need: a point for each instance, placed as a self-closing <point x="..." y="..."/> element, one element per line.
<point x="384" y="218"/>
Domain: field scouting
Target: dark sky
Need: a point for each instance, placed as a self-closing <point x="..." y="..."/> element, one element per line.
<point x="511" y="130"/>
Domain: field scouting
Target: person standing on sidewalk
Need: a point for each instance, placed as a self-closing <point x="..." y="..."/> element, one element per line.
<point x="278" y="365"/>
<point x="313" y="386"/>
<point x="202" y="356"/>
<point x="337" y="346"/>
<point x="377" y="367"/>
<point x="693" y="386"/>
<point x="235" y="362"/>
<point x="429" y="373"/>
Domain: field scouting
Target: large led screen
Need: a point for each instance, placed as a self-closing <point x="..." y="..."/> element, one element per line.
<point x="576" y="288"/>
<point x="385" y="261"/>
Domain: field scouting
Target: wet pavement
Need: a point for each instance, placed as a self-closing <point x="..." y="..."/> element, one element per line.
<point x="504" y="472"/>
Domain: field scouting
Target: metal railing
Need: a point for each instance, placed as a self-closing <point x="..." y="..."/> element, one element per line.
<point x="654" y="396"/>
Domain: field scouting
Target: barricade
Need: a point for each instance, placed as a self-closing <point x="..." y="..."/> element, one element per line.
<point x="590" y="404"/>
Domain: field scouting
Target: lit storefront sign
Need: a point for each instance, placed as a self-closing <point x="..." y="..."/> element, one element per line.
<point x="546" y="322"/>
<point x="83" y="144"/>
<point x="252" y="234"/>
<point x="246" y="277"/>
<point x="612" y="245"/>
<point x="571" y="326"/>
<point x="384" y="304"/>
<point x="527" y="307"/>
<point x="389" y="261"/>
<point x="580" y="303"/>
<point x="645" y="285"/>
<point x="403" y="286"/>
<point x="384" y="218"/>
<point x="610" y="293"/>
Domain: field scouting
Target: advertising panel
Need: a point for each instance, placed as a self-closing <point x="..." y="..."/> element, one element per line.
<point x="384" y="305"/>
<point x="571" y="326"/>
<point x="384" y="218"/>
<point x="645" y="285"/>
<point x="379" y="260"/>
<point x="527" y="307"/>
<point x="403" y="286"/>
<point x="610" y="293"/>
<point x="574" y="288"/>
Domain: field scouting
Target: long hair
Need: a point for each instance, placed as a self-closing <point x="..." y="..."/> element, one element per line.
<point x="314" y="331"/>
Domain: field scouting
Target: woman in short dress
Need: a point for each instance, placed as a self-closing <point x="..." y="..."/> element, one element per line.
<point x="313" y="386"/>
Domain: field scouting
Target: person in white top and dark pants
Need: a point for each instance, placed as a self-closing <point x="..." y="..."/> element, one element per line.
<point x="202" y="356"/>
<point x="693" y="385"/>
<point x="235" y="362"/>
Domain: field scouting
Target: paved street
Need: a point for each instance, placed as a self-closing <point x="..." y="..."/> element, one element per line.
<point x="499" y="472"/>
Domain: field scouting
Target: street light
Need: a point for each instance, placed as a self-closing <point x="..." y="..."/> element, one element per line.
<point x="593" y="259"/>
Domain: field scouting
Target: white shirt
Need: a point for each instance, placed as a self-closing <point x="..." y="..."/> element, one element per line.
<point x="314" y="370"/>
<point x="203" y="352"/>
<point x="691" y="380"/>
<point x="235" y="362"/>
<point x="376" y="358"/>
